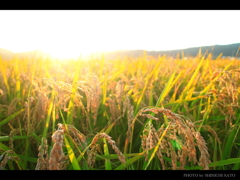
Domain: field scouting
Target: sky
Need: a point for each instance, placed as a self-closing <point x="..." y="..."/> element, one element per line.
<point x="69" y="33"/>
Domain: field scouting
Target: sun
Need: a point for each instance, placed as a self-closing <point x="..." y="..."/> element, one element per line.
<point x="70" y="52"/>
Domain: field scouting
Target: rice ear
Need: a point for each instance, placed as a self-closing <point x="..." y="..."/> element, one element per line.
<point x="56" y="154"/>
<point x="181" y="131"/>
<point x="111" y="142"/>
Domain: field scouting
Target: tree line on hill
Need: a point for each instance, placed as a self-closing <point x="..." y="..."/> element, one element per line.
<point x="232" y="50"/>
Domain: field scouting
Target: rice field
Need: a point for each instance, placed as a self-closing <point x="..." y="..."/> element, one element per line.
<point x="144" y="113"/>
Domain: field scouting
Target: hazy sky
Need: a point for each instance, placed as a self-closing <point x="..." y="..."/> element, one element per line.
<point x="68" y="33"/>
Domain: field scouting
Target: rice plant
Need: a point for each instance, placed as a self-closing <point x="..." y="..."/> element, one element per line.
<point x="143" y="113"/>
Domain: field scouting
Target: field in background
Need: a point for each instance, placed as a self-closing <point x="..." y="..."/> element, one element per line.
<point x="127" y="113"/>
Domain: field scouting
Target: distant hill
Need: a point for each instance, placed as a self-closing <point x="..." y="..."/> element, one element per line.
<point x="6" y="54"/>
<point x="32" y="54"/>
<point x="226" y="50"/>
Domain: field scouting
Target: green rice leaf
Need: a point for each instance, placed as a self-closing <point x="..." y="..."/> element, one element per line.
<point x="130" y="161"/>
<point x="71" y="155"/>
<point x="7" y="138"/>
<point x="108" y="165"/>
<point x="10" y="117"/>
